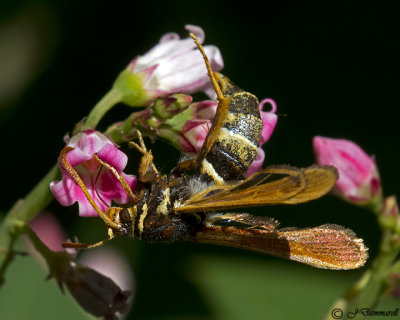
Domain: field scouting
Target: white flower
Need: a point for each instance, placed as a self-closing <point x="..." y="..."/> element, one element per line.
<point x="175" y="65"/>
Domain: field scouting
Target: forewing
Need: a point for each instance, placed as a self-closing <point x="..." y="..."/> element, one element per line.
<point x="320" y="180"/>
<point x="272" y="185"/>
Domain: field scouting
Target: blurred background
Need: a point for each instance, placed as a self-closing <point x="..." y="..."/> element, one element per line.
<point x="333" y="71"/>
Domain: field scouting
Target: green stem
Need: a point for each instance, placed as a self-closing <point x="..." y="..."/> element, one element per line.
<point x="365" y="293"/>
<point x="110" y="99"/>
<point x="369" y="295"/>
<point x="24" y="210"/>
<point x="20" y="215"/>
<point x="395" y="267"/>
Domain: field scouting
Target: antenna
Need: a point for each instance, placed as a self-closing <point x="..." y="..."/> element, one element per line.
<point x="208" y="66"/>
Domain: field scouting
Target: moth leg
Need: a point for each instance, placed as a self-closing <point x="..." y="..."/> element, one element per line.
<point x="147" y="169"/>
<point x="72" y="172"/>
<point x="79" y="245"/>
<point x="121" y="179"/>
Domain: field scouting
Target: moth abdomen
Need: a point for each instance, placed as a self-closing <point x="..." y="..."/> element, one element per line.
<point x="237" y="142"/>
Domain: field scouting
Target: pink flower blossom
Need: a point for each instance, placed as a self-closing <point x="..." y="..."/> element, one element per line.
<point x="102" y="185"/>
<point x="359" y="180"/>
<point x="174" y="65"/>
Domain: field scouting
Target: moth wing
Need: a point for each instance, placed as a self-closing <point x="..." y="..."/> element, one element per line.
<point x="320" y="180"/>
<point x="328" y="246"/>
<point x="273" y="185"/>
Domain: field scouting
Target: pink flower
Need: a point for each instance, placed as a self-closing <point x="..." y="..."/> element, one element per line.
<point x="359" y="180"/>
<point x="102" y="185"/>
<point x="175" y="65"/>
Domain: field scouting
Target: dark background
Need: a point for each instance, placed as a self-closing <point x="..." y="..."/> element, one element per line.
<point x="332" y="68"/>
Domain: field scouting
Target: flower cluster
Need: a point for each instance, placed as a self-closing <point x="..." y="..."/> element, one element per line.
<point x="162" y="79"/>
<point x="185" y="125"/>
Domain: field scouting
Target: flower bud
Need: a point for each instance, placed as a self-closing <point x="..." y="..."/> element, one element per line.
<point x="359" y="180"/>
<point x="390" y="215"/>
<point x="101" y="283"/>
<point x="167" y="106"/>
<point x="95" y="292"/>
<point x="187" y="129"/>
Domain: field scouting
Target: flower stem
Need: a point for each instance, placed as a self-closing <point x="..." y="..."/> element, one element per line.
<point x="366" y="292"/>
<point x="24" y="210"/>
<point x="369" y="295"/>
<point x="110" y="99"/>
<point x="20" y="215"/>
<point x="56" y="261"/>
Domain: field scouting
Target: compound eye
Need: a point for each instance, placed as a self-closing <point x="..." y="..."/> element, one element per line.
<point x="124" y="216"/>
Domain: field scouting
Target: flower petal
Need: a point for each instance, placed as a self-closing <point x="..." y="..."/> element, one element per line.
<point x="197" y="31"/>
<point x="205" y="109"/>
<point x="113" y="156"/>
<point x="195" y="132"/>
